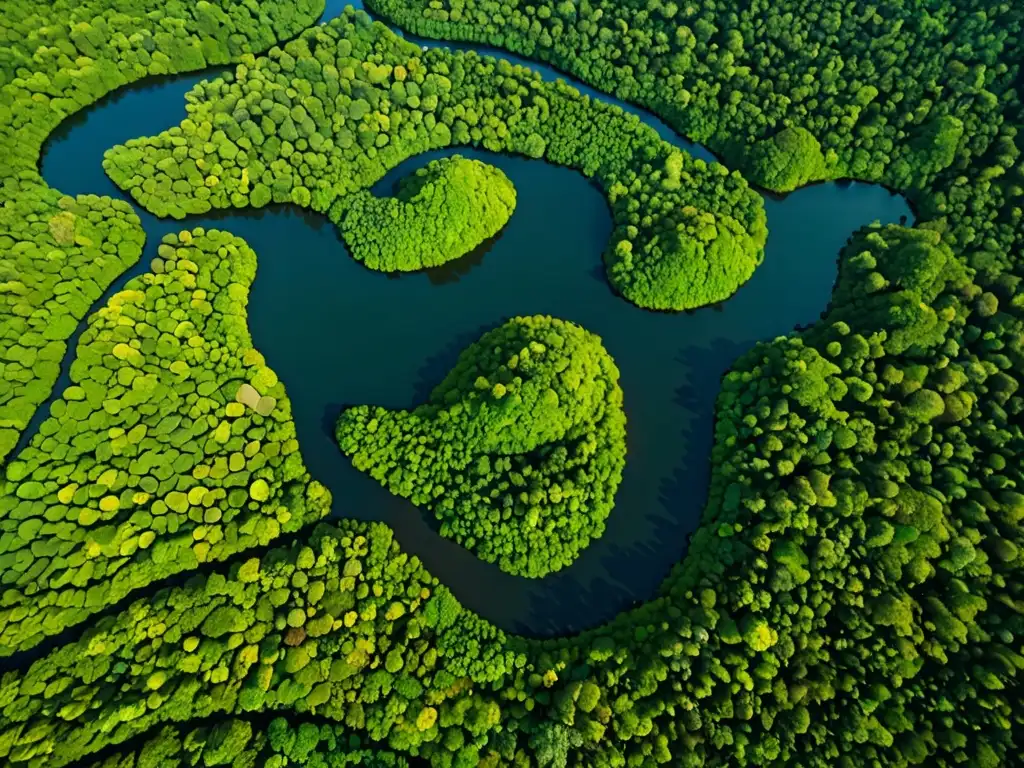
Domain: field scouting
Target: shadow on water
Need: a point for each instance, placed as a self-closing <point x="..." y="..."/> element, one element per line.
<point x="339" y="334"/>
<point x="457" y="269"/>
<point x="437" y="366"/>
<point x="454" y="270"/>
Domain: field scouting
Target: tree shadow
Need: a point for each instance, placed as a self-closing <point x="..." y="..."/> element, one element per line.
<point x="455" y="270"/>
<point x="612" y="576"/>
<point x="437" y="366"/>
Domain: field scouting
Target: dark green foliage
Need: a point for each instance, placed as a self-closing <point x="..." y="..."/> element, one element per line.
<point x="853" y="595"/>
<point x="519" y="450"/>
<point x="57" y="254"/>
<point x="173" y="446"/>
<point x="441" y="212"/>
<point x="936" y="143"/>
<point x="787" y="160"/>
<point x="318" y="122"/>
<point x="892" y="92"/>
<point x="238" y="744"/>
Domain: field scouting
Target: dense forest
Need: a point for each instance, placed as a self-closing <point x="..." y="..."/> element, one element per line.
<point x="239" y="742"/>
<point x="439" y="213"/>
<point x="326" y="116"/>
<point x="173" y="446"/>
<point x="58" y="253"/>
<point x="519" y="450"/>
<point x="852" y="596"/>
<point x="909" y="92"/>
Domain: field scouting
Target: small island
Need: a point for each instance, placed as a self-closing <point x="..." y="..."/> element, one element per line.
<point x="439" y="213"/>
<point x="519" y="450"/>
<point x="318" y="131"/>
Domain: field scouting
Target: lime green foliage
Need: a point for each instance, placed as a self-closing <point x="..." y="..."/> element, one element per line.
<point x="155" y="459"/>
<point x="441" y="212"/>
<point x="223" y="644"/>
<point x="238" y="743"/>
<point x="853" y="594"/>
<point x="691" y="258"/>
<point x="519" y="450"/>
<point x="50" y="273"/>
<point x="325" y="117"/>
<point x="57" y="254"/>
<point x="787" y="160"/>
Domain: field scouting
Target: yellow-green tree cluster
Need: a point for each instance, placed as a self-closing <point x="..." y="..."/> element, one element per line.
<point x="57" y="254"/>
<point x="327" y="115"/>
<point x="173" y="446"/>
<point x="439" y="213"/>
<point x="345" y="627"/>
<point x="518" y="452"/>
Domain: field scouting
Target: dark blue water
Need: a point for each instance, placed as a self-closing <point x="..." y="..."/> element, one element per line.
<point x="338" y="334"/>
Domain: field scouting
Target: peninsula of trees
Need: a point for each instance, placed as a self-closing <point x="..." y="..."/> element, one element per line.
<point x="174" y="446"/>
<point x="319" y="121"/>
<point x="439" y="213"/>
<point x="518" y="451"/>
<point x="59" y="253"/>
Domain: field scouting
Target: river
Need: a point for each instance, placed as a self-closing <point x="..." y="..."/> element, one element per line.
<point x="339" y="334"/>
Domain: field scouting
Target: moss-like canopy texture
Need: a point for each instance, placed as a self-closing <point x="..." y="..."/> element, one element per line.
<point x="343" y="626"/>
<point x="58" y="254"/>
<point x="518" y="451"/>
<point x="853" y="595"/>
<point x="789" y="159"/>
<point x="241" y="742"/>
<point x="173" y="446"/>
<point x="326" y="116"/>
<point x="439" y="213"/>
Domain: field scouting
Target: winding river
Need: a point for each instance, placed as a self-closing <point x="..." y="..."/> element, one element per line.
<point x="338" y="334"/>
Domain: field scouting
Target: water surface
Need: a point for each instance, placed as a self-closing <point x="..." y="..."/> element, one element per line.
<point x="338" y="334"/>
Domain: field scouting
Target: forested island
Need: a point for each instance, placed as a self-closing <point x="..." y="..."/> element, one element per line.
<point x="518" y="451"/>
<point x="171" y="592"/>
<point x="439" y="213"/>
<point x="316" y="122"/>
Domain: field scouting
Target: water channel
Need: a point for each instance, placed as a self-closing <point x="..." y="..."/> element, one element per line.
<point x="339" y="334"/>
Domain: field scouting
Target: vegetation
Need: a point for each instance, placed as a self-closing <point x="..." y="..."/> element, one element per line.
<point x="787" y="160"/>
<point x="788" y="92"/>
<point x="857" y="563"/>
<point x="239" y="743"/>
<point x="173" y="446"/>
<point x="345" y="627"/>
<point x="326" y="116"/>
<point x="58" y="254"/>
<point x="518" y="451"/>
<point x="820" y="527"/>
<point x="853" y="595"/>
<point x="441" y="212"/>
